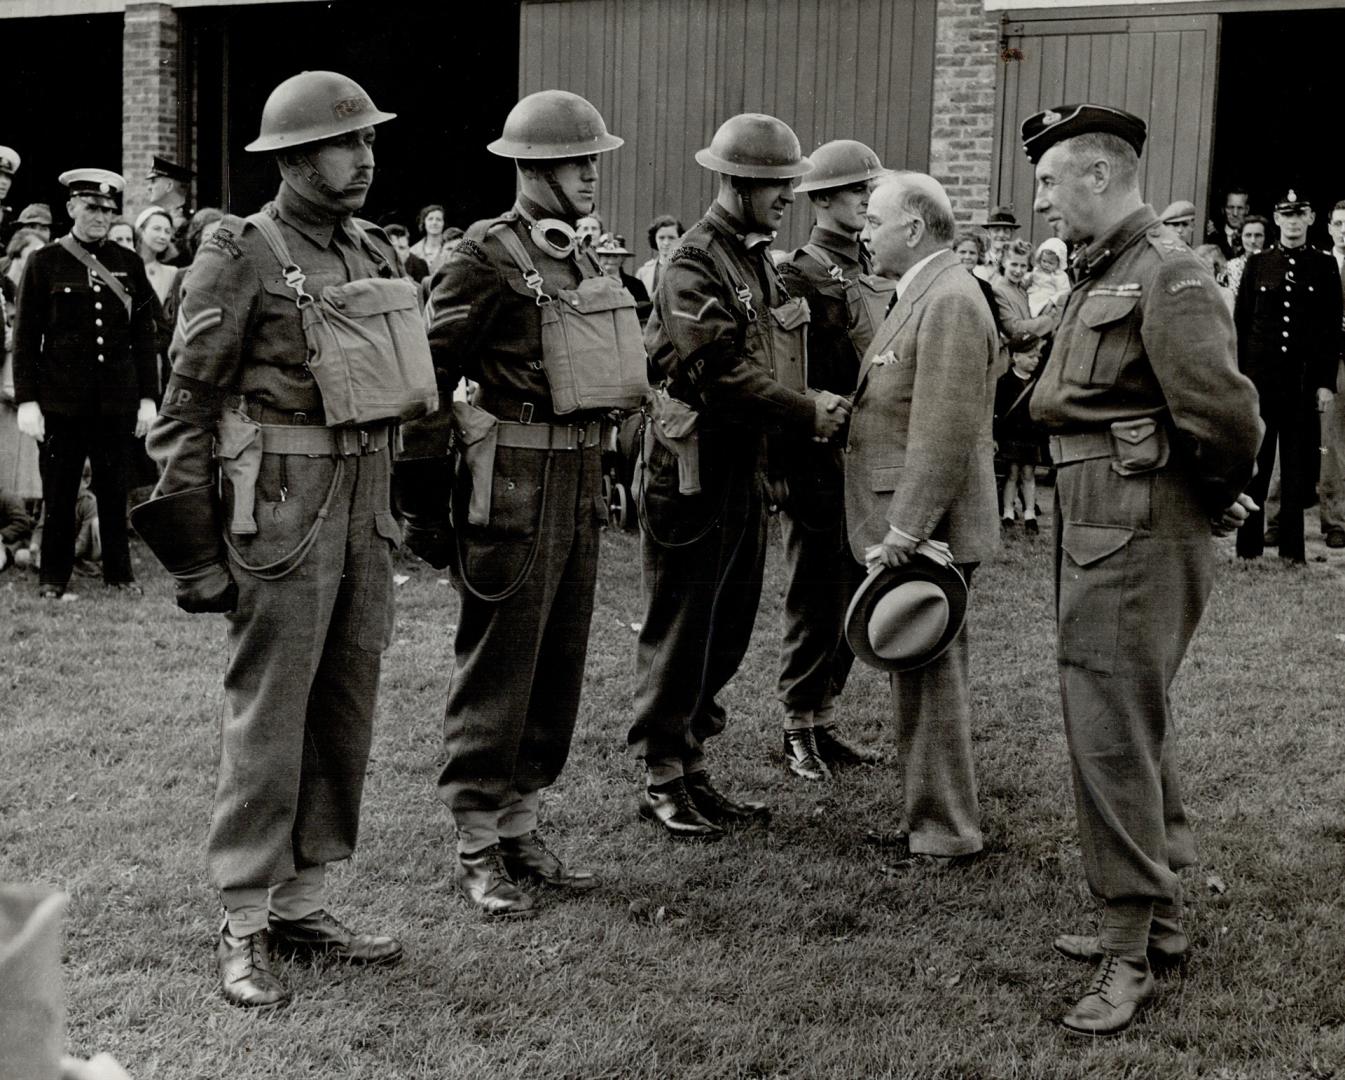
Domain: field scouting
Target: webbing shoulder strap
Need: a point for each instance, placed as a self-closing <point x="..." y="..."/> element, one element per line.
<point x="106" y="276"/>
<point x="275" y="240"/>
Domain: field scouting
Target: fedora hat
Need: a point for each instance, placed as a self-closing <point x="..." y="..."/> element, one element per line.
<point x="902" y="617"/>
<point x="1002" y="215"/>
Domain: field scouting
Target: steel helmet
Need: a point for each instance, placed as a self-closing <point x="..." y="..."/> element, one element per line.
<point x="312" y="106"/>
<point x="757" y="146"/>
<point x="552" y="124"/>
<point x="839" y="164"/>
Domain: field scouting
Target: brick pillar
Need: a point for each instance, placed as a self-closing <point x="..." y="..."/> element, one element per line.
<point x="962" y="139"/>
<point x="149" y="83"/>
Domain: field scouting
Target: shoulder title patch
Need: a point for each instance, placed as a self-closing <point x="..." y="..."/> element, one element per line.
<point x="224" y="240"/>
<point x="1184" y="284"/>
<point x="469" y="249"/>
<point x="690" y="253"/>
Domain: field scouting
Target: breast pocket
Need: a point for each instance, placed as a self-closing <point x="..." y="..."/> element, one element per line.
<point x="1110" y="335"/>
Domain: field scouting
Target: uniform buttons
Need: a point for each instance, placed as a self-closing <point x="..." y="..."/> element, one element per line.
<point x="1286" y="303"/>
<point x="67" y="288"/>
<point x="1292" y="263"/>
<point x="98" y="305"/>
<point x="98" y="341"/>
<point x="97" y="322"/>
<point x="1284" y="348"/>
<point x="96" y="288"/>
<point x="1286" y="333"/>
<point x="1288" y="288"/>
<point x="1286" y="318"/>
<point x="100" y="358"/>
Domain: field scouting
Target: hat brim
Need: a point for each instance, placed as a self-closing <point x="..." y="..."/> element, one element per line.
<point x="707" y="160"/>
<point x="882" y="580"/>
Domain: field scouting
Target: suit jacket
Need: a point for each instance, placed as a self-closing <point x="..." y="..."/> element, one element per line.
<point x="919" y="453"/>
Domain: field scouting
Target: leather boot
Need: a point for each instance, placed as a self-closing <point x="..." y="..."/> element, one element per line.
<point x="803" y="757"/>
<point x="245" y="971"/>
<point x="320" y="934"/>
<point x="484" y="881"/>
<point x="670" y="805"/>
<point x="527" y="859"/>
<point x="1121" y="986"/>
<point x="718" y="808"/>
<point x="838" y="750"/>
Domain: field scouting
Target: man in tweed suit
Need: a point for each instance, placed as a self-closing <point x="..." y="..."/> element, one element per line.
<point x="918" y="467"/>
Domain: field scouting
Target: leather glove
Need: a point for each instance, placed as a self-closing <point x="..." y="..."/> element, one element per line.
<point x="144" y="417"/>
<point x="210" y="590"/>
<point x="31" y="422"/>
<point x="430" y="543"/>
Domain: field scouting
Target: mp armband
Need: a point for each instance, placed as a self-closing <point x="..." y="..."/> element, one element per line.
<point x="193" y="401"/>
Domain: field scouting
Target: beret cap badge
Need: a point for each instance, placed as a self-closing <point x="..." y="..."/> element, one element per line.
<point x="1050" y="116"/>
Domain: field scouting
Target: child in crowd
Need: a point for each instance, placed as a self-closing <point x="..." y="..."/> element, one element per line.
<point x="1048" y="282"/>
<point x="16" y="528"/>
<point x="1018" y="442"/>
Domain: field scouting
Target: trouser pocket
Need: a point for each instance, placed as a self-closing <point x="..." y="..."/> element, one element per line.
<point x="1094" y="572"/>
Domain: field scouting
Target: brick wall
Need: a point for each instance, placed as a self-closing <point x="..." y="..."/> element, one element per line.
<point x="149" y="47"/>
<point x="966" y="55"/>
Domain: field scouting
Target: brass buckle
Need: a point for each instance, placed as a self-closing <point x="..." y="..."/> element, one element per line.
<point x="525" y="413"/>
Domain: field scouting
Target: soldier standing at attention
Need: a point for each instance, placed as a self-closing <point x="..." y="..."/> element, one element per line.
<point x="1153" y="432"/>
<point x="85" y="375"/>
<point x="846" y="303"/>
<point x="303" y="563"/>
<point x="1288" y="316"/>
<point x="728" y="339"/>
<point x="528" y="503"/>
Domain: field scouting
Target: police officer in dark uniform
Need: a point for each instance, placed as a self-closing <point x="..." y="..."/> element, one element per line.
<point x="168" y="185"/>
<point x="305" y="573"/>
<point x="85" y="374"/>
<point x="528" y="503"/>
<point x="727" y="338"/>
<point x="1153" y="432"/>
<point x="1288" y="316"/>
<point x="846" y="303"/>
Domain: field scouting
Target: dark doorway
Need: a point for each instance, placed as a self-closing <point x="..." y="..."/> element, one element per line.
<point x="1278" y="87"/>
<point x="449" y="73"/>
<point x="61" y="90"/>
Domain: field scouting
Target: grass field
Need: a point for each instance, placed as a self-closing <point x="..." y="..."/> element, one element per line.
<point x="791" y="952"/>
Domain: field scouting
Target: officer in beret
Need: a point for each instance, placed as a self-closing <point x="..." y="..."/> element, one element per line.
<point x="528" y="506"/>
<point x="9" y="165"/>
<point x="846" y="302"/>
<point x="1288" y="315"/>
<point x="1153" y="432"/>
<point x="727" y="338"/>
<point x="305" y="572"/>
<point x="85" y="374"/>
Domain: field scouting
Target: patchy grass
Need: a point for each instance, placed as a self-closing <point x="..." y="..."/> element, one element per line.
<point x="782" y="953"/>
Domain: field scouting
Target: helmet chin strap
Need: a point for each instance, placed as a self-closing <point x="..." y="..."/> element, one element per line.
<point x="301" y="165"/>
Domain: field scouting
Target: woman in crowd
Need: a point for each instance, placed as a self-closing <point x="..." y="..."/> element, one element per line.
<point x="19" y="474"/>
<point x="122" y="232"/>
<point x="664" y="232"/>
<point x="431" y="249"/>
<point x="1255" y="230"/>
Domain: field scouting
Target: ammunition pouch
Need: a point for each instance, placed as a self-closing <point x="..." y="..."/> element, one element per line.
<point x="238" y="450"/>
<point x="476" y="433"/>
<point x="1138" y="446"/>
<point x="183" y="530"/>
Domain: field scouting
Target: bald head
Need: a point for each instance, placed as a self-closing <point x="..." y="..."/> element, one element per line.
<point x="909" y="218"/>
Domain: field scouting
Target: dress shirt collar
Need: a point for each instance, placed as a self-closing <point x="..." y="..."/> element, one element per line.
<point x="904" y="282"/>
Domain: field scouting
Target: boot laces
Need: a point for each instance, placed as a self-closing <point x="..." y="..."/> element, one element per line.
<point x="1105" y="975"/>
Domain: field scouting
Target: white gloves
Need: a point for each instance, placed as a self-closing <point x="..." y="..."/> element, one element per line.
<point x="144" y="417"/>
<point x="31" y="422"/>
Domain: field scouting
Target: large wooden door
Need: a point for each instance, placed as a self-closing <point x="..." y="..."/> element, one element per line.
<point x="666" y="73"/>
<point x="1161" y="68"/>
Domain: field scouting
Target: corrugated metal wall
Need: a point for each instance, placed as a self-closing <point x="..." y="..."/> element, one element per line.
<point x="666" y="73"/>
<point x="1162" y="69"/>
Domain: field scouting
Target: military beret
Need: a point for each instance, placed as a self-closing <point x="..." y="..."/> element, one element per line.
<point x="1043" y="130"/>
<point x="1292" y="203"/>
<point x="171" y="170"/>
<point x="99" y="185"/>
<point x="9" y="160"/>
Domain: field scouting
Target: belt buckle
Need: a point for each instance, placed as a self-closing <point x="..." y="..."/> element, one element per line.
<point x="299" y="418"/>
<point x="364" y="440"/>
<point x="525" y="413"/>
